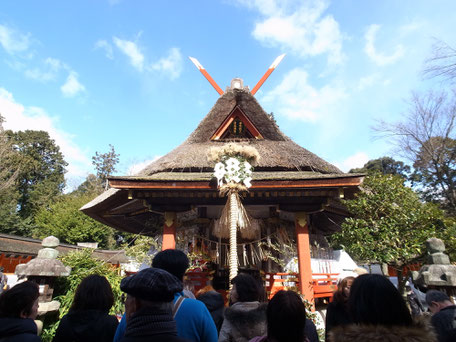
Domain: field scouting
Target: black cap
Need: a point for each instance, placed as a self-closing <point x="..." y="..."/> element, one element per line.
<point x="152" y="284"/>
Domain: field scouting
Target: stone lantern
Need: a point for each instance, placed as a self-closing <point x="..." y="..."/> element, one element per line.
<point x="43" y="270"/>
<point x="437" y="273"/>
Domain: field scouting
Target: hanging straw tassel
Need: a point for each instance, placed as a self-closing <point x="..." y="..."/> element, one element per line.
<point x="240" y="216"/>
<point x="244" y="255"/>
<point x="233" y="237"/>
<point x="227" y="255"/>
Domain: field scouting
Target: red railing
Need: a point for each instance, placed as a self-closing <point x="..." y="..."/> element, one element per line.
<point x="198" y="279"/>
<point x="9" y="262"/>
<point x="324" y="284"/>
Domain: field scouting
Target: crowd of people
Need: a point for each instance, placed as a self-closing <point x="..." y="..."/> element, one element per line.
<point x="157" y="308"/>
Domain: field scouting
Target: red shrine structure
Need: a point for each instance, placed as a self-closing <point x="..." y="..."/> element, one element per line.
<point x="294" y="200"/>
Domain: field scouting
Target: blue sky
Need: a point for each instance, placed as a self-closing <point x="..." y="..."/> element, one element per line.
<point x="95" y="73"/>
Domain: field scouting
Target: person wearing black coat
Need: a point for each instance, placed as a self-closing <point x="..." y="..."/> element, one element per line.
<point x="18" y="329"/>
<point x="337" y="311"/>
<point x="18" y="309"/>
<point x="88" y="319"/>
<point x="216" y="306"/>
<point x="310" y="331"/>
<point x="86" y="325"/>
<point x="286" y="320"/>
<point x="149" y="309"/>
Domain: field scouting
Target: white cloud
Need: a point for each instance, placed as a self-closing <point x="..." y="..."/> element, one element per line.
<point x="356" y="160"/>
<point x="378" y="57"/>
<point x="13" y="41"/>
<point x="132" y="51"/>
<point x="15" y="65"/>
<point x="72" y="86"/>
<point x="137" y="167"/>
<point x="171" y="65"/>
<point x="265" y="7"/>
<point x="51" y="68"/>
<point x="104" y="45"/>
<point x="368" y="81"/>
<point x="301" y="27"/>
<point x="297" y="99"/>
<point x="411" y="27"/>
<point x="20" y="118"/>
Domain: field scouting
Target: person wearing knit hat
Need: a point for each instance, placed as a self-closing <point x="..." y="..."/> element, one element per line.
<point x="148" y="307"/>
<point x="194" y="322"/>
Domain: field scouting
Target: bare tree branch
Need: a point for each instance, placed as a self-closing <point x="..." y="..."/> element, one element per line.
<point x="426" y="136"/>
<point x="442" y="62"/>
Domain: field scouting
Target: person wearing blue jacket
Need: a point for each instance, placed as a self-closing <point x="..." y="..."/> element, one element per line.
<point x="193" y="320"/>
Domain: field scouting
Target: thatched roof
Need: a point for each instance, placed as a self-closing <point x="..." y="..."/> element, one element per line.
<point x="277" y="151"/>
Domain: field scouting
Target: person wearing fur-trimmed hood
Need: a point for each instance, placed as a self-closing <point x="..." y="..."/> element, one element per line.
<point x="379" y="313"/>
<point x="246" y="317"/>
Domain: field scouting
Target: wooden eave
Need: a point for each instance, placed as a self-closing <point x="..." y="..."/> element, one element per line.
<point x="19" y="245"/>
<point x="260" y="184"/>
<point x="132" y="200"/>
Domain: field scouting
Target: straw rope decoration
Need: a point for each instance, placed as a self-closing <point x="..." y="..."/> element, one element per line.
<point x="233" y="170"/>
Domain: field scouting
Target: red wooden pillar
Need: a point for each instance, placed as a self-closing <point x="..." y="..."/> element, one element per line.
<point x="169" y="231"/>
<point x="303" y="245"/>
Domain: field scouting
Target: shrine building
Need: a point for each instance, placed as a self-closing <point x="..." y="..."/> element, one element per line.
<point x="294" y="201"/>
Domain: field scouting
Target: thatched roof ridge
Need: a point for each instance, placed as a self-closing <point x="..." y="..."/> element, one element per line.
<point x="225" y="105"/>
<point x="277" y="151"/>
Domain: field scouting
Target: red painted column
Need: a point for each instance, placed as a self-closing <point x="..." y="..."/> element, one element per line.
<point x="303" y="245"/>
<point x="169" y="231"/>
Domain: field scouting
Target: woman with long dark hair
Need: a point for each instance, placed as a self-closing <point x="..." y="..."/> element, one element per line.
<point x="337" y="310"/>
<point x="286" y="317"/>
<point x="18" y="309"/>
<point x="88" y="318"/>
<point x="379" y="313"/>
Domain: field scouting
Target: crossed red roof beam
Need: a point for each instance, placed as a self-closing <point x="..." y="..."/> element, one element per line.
<point x="257" y="86"/>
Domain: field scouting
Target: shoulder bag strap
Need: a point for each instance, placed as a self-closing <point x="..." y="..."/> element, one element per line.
<point x="177" y="305"/>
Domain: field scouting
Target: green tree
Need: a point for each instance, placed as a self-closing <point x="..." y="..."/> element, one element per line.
<point x="385" y="166"/>
<point x="42" y="168"/>
<point x="92" y="185"/>
<point x="139" y="247"/>
<point x="8" y="169"/>
<point x="389" y="224"/>
<point x="10" y="221"/>
<point x="105" y="164"/>
<point x="448" y="235"/>
<point x="435" y="170"/>
<point x="64" y="220"/>
<point x="426" y="136"/>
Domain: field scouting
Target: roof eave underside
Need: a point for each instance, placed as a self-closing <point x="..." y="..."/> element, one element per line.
<point x="114" y="198"/>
